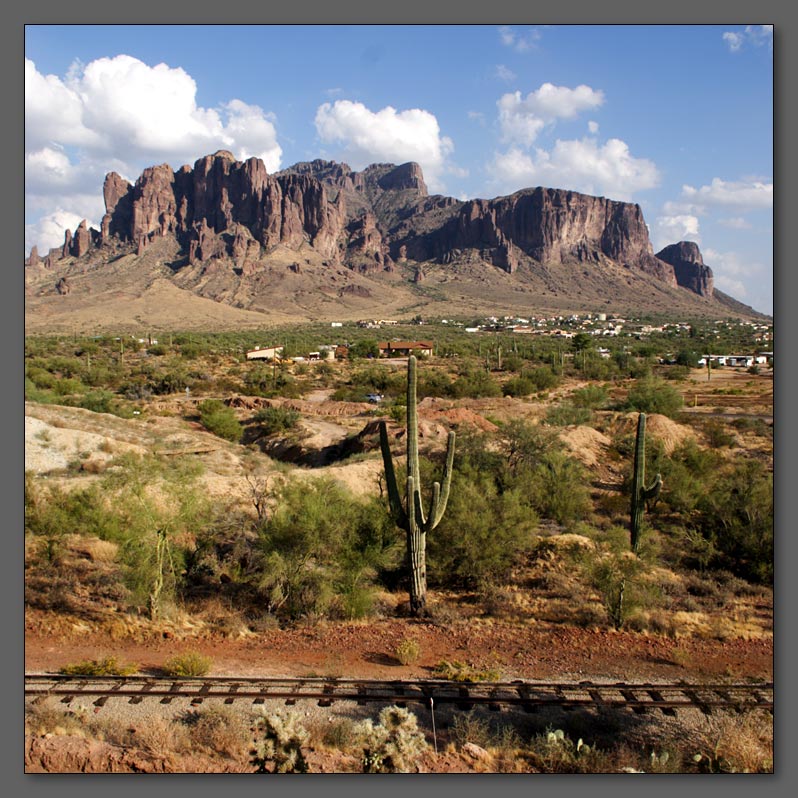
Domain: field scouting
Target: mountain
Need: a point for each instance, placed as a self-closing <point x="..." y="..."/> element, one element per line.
<point x="225" y="244"/>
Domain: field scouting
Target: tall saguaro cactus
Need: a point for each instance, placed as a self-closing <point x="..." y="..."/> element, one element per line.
<point x="640" y="493"/>
<point x="410" y="515"/>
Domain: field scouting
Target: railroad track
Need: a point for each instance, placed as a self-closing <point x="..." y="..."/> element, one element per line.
<point x="528" y="696"/>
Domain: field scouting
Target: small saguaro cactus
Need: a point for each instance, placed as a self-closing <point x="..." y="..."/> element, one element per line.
<point x="410" y="516"/>
<point x="640" y="493"/>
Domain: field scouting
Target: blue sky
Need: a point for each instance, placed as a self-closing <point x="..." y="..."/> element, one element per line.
<point x="676" y="118"/>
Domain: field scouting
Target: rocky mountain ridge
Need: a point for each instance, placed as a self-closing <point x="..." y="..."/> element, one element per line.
<point x="230" y="221"/>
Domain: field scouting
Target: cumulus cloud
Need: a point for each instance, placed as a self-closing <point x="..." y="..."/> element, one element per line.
<point x="670" y="229"/>
<point x="123" y="115"/>
<point x="522" y="118"/>
<point x="743" y="194"/>
<point x="520" y="42"/>
<point x="754" y="35"/>
<point x="364" y="136"/>
<point x="581" y="165"/>
<point x="733" y="272"/>
<point x="593" y="127"/>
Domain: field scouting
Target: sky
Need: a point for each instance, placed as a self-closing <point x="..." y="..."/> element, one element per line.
<point x="677" y="118"/>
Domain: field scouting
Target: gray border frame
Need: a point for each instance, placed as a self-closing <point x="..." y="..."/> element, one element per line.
<point x="732" y="12"/>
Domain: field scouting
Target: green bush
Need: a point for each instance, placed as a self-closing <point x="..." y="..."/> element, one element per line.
<point x="277" y="419"/>
<point x="219" y="419"/>
<point x="592" y="397"/>
<point x="108" y="666"/>
<point x="188" y="664"/>
<point x="653" y="395"/>
<point x="321" y="549"/>
<point x="566" y="414"/>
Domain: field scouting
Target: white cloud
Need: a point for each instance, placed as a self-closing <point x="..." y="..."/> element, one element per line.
<point x="522" y="119"/>
<point x="593" y="127"/>
<point x="49" y="230"/>
<point x="477" y="116"/>
<point x="123" y="115"/>
<point x="671" y="229"/>
<point x="505" y="73"/>
<point x="580" y="165"/>
<point x="735" y="223"/>
<point x="744" y="194"/>
<point x="755" y="35"/>
<point x="366" y="136"/>
<point x="520" y="42"/>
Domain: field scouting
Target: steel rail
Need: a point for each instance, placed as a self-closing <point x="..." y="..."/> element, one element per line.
<point x="530" y="696"/>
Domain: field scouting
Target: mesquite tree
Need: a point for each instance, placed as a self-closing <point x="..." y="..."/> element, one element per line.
<point x="410" y="515"/>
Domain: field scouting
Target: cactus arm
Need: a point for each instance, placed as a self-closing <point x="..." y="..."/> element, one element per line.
<point x="437" y="511"/>
<point x="651" y="493"/>
<point x="413" y="468"/>
<point x="394" y="499"/>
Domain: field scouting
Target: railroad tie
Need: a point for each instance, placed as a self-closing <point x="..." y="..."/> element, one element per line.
<point x="175" y="689"/>
<point x="695" y="698"/>
<point x="137" y="699"/>
<point x="232" y="690"/>
<point x="632" y="699"/>
<point x="205" y="689"/>
<point x="660" y="699"/>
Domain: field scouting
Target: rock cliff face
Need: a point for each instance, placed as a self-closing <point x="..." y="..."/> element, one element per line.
<point x="689" y="267"/>
<point x="224" y="209"/>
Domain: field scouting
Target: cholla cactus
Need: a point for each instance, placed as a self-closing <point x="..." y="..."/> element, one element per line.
<point x="393" y="746"/>
<point x="410" y="516"/>
<point x="279" y="738"/>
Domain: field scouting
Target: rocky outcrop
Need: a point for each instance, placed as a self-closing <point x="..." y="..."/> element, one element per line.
<point x="548" y="226"/>
<point x="222" y="208"/>
<point x="689" y="268"/>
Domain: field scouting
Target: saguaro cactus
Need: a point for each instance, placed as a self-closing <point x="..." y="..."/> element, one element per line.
<point x="640" y="493"/>
<point x="410" y="516"/>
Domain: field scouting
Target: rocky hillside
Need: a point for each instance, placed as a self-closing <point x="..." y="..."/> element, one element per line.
<point x="319" y="240"/>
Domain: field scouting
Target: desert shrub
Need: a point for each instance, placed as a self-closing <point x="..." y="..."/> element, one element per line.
<point x="737" y="517"/>
<point x="558" y="487"/>
<point x="107" y="666"/>
<point x="190" y="663"/>
<point x="653" y="395"/>
<point x="217" y="730"/>
<point x="676" y="373"/>
<point x="367" y="348"/>
<point x="395" y="744"/>
<point x="474" y="384"/>
<point x="556" y="752"/>
<point x="457" y="671"/>
<point x="219" y="419"/>
<point x="566" y="414"/>
<point x="407" y="651"/>
<point x="593" y="397"/>
<point x="321" y="549"/>
<point x="277" y="419"/>
<point x="717" y="435"/>
<point x="482" y="534"/>
<point x="519" y="386"/>
<point x="278" y="741"/>
<point x="543" y="378"/>
<point x="157" y="504"/>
